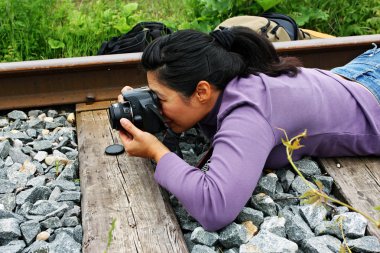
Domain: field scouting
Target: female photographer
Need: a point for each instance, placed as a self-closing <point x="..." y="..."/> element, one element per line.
<point x="233" y="84"/>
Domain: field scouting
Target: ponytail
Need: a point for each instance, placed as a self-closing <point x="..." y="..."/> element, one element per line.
<point x="184" y="58"/>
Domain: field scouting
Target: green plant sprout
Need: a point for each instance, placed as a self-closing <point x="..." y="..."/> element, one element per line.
<point x="343" y="247"/>
<point x="110" y="232"/>
<point x="316" y="195"/>
<point x="57" y="163"/>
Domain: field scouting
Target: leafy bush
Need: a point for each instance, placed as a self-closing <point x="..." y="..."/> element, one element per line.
<point x="46" y="29"/>
<point x="339" y="18"/>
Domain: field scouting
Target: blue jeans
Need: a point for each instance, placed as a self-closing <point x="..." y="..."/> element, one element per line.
<point x="364" y="69"/>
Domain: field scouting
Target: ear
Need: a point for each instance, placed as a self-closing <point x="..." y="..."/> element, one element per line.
<point x="203" y="91"/>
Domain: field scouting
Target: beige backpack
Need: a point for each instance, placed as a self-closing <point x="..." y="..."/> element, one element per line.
<point x="274" y="26"/>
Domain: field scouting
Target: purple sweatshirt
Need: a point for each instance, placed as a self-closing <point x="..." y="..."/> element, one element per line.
<point x="342" y="118"/>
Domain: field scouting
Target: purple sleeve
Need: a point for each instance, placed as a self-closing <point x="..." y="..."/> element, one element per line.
<point x="215" y="198"/>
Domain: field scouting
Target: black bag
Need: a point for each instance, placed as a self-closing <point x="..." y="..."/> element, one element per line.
<point x="135" y="40"/>
<point x="285" y="22"/>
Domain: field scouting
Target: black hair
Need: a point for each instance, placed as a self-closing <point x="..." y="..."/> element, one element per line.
<point x="184" y="58"/>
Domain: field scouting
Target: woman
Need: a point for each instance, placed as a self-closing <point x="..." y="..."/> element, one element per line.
<point x="239" y="91"/>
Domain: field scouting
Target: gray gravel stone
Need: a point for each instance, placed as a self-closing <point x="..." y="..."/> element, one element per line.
<point x="4" y="214"/>
<point x="38" y="247"/>
<point x="40" y="156"/>
<point x="53" y="222"/>
<point x="36" y="181"/>
<point x="69" y="196"/>
<point x="73" y="221"/>
<point x="299" y="186"/>
<point x="33" y="194"/>
<point x="13" y="247"/>
<point x="5" y="146"/>
<point x="201" y="236"/>
<point x="308" y="167"/>
<point x="8" y="200"/>
<point x="9" y="228"/>
<point x="70" y="172"/>
<point x="6" y="186"/>
<point x="267" y="184"/>
<point x="233" y="235"/>
<point x="78" y="233"/>
<point x="250" y="214"/>
<point x="321" y="244"/>
<point x="44" y="207"/>
<point x="328" y="228"/>
<point x="295" y="227"/>
<point x="55" y="194"/>
<point x="354" y="224"/>
<point x="202" y="249"/>
<point x="267" y="242"/>
<point x="313" y="214"/>
<point x="285" y="199"/>
<point x="18" y="156"/>
<point x="16" y="114"/>
<point x="4" y="122"/>
<point x="63" y="185"/>
<point x="286" y="178"/>
<point x="275" y="225"/>
<point x="30" y="229"/>
<point x="264" y="203"/>
<point x="35" y="123"/>
<point x="366" y="244"/>
<point x="42" y="145"/>
<point x="64" y="243"/>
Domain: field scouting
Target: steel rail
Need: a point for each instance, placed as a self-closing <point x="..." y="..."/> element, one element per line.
<point x="98" y="78"/>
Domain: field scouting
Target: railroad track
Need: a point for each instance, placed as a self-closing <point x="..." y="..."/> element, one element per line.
<point x="99" y="78"/>
<point x="123" y="186"/>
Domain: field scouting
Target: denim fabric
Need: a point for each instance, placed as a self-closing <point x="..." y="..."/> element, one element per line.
<point x="364" y="69"/>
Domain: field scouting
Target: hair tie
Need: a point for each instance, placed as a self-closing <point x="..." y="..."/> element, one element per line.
<point x="224" y="37"/>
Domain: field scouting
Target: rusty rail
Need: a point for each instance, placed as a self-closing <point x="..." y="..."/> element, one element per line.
<point x="98" y="78"/>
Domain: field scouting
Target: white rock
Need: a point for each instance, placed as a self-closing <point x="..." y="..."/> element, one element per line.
<point x="48" y="119"/>
<point x="43" y="236"/>
<point x="71" y="118"/>
<point x="28" y="168"/>
<point x="40" y="156"/>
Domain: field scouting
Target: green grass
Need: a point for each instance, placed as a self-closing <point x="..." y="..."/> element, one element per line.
<point x="46" y="29"/>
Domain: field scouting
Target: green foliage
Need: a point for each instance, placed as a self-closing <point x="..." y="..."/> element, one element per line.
<point x="339" y="18"/>
<point x="46" y="29"/>
<point x="207" y="14"/>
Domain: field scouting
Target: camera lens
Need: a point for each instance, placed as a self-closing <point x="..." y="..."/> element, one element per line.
<point x="117" y="111"/>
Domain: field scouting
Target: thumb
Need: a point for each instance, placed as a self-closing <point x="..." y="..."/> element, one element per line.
<point x="129" y="127"/>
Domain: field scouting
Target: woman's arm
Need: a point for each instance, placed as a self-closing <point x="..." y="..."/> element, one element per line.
<point x="215" y="198"/>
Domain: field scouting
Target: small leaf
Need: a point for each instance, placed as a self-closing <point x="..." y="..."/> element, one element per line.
<point x="267" y="4"/>
<point x="377" y="208"/>
<point x="319" y="184"/>
<point x="55" y="44"/>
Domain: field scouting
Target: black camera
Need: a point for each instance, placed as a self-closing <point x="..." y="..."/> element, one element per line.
<point x="141" y="107"/>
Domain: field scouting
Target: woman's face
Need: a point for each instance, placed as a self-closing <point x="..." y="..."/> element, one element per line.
<point x="180" y="113"/>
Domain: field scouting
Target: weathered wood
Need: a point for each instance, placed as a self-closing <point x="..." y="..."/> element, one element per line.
<point x="123" y="188"/>
<point x="358" y="181"/>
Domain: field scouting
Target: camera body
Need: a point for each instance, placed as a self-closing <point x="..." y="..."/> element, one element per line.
<point x="141" y="107"/>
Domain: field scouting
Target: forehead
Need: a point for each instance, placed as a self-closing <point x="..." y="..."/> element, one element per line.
<point x="156" y="85"/>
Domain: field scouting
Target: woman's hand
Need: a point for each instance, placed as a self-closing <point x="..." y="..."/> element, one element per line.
<point x="125" y="89"/>
<point x="139" y="143"/>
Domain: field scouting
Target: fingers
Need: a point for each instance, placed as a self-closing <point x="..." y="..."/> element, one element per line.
<point x="126" y="88"/>
<point x="129" y="127"/>
<point x="120" y="98"/>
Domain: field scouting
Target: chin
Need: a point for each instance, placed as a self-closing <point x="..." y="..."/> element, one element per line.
<point x="178" y="129"/>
